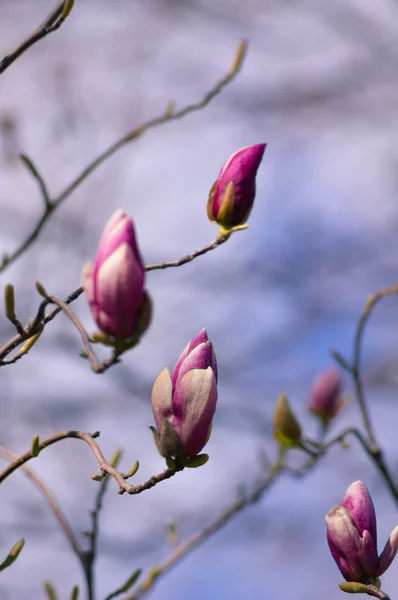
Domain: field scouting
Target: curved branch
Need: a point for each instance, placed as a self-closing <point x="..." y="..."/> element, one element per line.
<point x="51" y="501"/>
<point x="50" y="24"/>
<point x="50" y="205"/>
<point x="104" y="466"/>
<point x="36" y="325"/>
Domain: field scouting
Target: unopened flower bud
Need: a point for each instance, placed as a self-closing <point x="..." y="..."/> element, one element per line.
<point x="352" y="537"/>
<point x="326" y="400"/>
<point x="232" y="195"/>
<point x="184" y="402"/>
<point x="287" y="429"/>
<point x="115" y="285"/>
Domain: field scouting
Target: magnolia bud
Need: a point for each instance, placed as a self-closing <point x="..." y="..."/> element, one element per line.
<point x="352" y="537"/>
<point x="115" y="285"/>
<point x="232" y="195"/>
<point x="326" y="400"/>
<point x="287" y="429"/>
<point x="183" y="403"/>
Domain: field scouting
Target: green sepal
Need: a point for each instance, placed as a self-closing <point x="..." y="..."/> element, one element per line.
<point x="196" y="461"/>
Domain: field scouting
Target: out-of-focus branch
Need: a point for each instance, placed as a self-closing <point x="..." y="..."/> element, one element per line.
<point x="50" y="24"/>
<point x="92" y="534"/>
<point x="356" y="363"/>
<point x="354" y="369"/>
<point x="182" y="550"/>
<point x="52" y="503"/>
<point x="51" y="204"/>
<point x="105" y="467"/>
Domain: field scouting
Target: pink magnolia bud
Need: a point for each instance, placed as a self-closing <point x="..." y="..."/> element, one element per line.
<point x="352" y="537"/>
<point x="183" y="403"/>
<point x="232" y="195"/>
<point x="115" y="285"/>
<point x="326" y="400"/>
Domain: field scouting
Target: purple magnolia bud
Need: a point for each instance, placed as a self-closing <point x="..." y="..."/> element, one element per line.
<point x="352" y="537"/>
<point x="232" y="195"/>
<point x="115" y="285"/>
<point x="326" y="400"/>
<point x="183" y="403"/>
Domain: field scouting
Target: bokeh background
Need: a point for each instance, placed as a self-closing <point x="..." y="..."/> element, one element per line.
<point x="320" y="86"/>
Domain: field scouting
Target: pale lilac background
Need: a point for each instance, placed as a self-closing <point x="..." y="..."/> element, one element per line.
<point x="320" y="86"/>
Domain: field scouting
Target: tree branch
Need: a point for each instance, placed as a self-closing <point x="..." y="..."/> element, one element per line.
<point x="169" y="115"/>
<point x="36" y="325"/>
<point x="105" y="467"/>
<point x="50" y="24"/>
<point x="51" y="501"/>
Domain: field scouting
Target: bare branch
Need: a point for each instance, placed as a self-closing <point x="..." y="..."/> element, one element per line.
<point x="169" y="115"/>
<point x="51" y="501"/>
<point x="50" y="24"/>
<point x="104" y="466"/>
<point x="35" y="325"/>
<point x="182" y="550"/>
<point x="354" y="369"/>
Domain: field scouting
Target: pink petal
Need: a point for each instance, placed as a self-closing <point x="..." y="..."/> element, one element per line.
<point x="197" y="392"/>
<point x="389" y="552"/>
<point x="162" y="398"/>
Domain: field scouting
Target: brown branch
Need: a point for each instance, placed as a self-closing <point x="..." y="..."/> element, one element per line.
<point x="186" y="259"/>
<point x="182" y="550"/>
<point x="35" y="325"/>
<point x="50" y="24"/>
<point x="356" y="363"/>
<point x="354" y="369"/>
<point x="169" y="115"/>
<point x="374" y="591"/>
<point x="51" y="501"/>
<point x="104" y="466"/>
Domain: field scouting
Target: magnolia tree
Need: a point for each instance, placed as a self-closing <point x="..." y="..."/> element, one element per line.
<point x="184" y="401"/>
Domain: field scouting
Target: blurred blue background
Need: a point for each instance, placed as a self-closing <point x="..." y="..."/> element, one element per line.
<point x="320" y="86"/>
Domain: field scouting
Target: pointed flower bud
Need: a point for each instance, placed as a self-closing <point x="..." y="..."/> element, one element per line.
<point x="232" y="195"/>
<point x="287" y="429"/>
<point x="184" y="402"/>
<point x="115" y="285"/>
<point x="352" y="537"/>
<point x="326" y="400"/>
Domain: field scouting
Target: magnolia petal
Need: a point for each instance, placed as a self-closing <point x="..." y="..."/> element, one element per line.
<point x="344" y="542"/>
<point x="241" y="169"/>
<point x="368" y="558"/>
<point x="87" y="280"/>
<point x="162" y="398"/>
<point x="198" y="340"/>
<point x="359" y="504"/>
<point x="181" y="359"/>
<point x="119" y="290"/>
<point x="199" y="358"/>
<point x="194" y="403"/>
<point x="389" y="552"/>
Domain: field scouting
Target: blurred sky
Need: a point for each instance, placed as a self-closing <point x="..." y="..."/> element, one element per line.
<point x="320" y="87"/>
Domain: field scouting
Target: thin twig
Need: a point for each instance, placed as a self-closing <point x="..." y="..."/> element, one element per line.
<point x="169" y="115"/>
<point x="373" y="454"/>
<point x="41" y="319"/>
<point x="186" y="259"/>
<point x="93" y="535"/>
<point x="354" y="370"/>
<point x="104" y="466"/>
<point x="50" y="24"/>
<point x="51" y="501"/>
<point x="182" y="550"/>
<point x="356" y="363"/>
